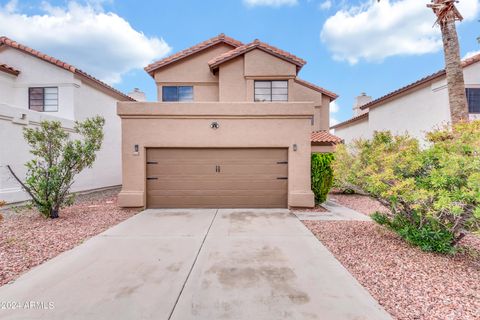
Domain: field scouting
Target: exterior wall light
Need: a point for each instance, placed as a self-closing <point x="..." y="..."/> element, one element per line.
<point x="295" y="147"/>
<point x="135" y="150"/>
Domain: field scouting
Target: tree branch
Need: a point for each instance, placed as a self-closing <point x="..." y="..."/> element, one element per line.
<point x="27" y="189"/>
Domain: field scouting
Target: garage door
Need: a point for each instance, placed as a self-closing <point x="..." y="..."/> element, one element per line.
<point x="217" y="178"/>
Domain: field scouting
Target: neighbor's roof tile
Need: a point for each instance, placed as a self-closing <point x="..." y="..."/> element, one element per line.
<point x="326" y="137"/>
<point x="7" y="69"/>
<point x="434" y="76"/>
<point x="351" y="120"/>
<point x="317" y="88"/>
<point x="189" y="51"/>
<point x="13" y="44"/>
<point x="257" y="44"/>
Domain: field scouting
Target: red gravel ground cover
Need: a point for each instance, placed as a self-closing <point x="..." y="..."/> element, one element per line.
<point x="27" y="239"/>
<point x="360" y="203"/>
<point x="408" y="283"/>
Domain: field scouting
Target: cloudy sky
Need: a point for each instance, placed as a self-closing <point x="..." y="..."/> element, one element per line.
<point x="351" y="46"/>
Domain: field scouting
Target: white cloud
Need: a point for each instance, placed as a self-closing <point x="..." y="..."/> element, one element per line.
<point x="470" y="54"/>
<point x="325" y="5"/>
<point x="270" y="3"/>
<point x="101" y="43"/>
<point x="334" y="107"/>
<point x="374" y="31"/>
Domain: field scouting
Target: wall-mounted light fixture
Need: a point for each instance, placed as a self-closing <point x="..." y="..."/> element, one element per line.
<point x="135" y="150"/>
<point x="294" y="147"/>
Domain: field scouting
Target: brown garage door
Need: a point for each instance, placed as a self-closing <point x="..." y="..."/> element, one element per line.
<point x="217" y="178"/>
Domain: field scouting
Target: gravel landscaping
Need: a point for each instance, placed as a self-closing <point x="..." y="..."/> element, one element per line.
<point x="27" y="239"/>
<point x="408" y="283"/>
<point x="360" y="203"/>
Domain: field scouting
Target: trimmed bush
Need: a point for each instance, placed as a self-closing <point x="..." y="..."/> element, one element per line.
<point x="322" y="175"/>
<point x="433" y="192"/>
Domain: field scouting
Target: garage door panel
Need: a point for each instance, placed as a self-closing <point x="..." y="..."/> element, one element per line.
<point x="226" y="178"/>
<point x="205" y="184"/>
<point x="276" y="201"/>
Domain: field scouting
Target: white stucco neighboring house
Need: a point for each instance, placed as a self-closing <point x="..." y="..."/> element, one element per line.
<point x="36" y="87"/>
<point x="414" y="109"/>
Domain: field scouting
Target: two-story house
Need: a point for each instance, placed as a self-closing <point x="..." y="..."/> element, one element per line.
<point x="414" y="109"/>
<point x="36" y="87"/>
<point x="234" y="126"/>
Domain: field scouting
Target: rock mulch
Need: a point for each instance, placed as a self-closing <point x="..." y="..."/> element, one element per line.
<point x="360" y="203"/>
<point x="27" y="239"/>
<point x="408" y="283"/>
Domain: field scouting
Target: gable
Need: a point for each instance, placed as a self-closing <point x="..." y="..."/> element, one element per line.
<point x="193" y="68"/>
<point x="261" y="63"/>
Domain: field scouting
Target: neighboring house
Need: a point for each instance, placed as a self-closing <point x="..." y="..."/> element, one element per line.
<point x="232" y="128"/>
<point x="414" y="109"/>
<point x="36" y="87"/>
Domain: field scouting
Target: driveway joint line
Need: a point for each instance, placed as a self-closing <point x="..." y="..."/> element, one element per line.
<point x="193" y="265"/>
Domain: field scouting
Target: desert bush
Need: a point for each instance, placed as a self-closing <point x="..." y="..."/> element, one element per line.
<point x="57" y="159"/>
<point x="433" y="192"/>
<point x="322" y="175"/>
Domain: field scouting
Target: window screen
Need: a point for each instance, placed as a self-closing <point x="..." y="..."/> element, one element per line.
<point x="177" y="93"/>
<point x="43" y="99"/>
<point x="276" y="90"/>
<point x="473" y="98"/>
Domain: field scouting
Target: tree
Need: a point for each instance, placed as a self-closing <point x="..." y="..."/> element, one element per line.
<point x="447" y="14"/>
<point x="57" y="160"/>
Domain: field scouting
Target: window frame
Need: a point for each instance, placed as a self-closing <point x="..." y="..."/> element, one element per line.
<point x="177" y="93"/>
<point x="271" y="87"/>
<point x="471" y="110"/>
<point x="57" y="105"/>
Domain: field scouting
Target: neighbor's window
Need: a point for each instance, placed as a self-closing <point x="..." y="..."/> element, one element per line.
<point x="177" y="93"/>
<point x="276" y="90"/>
<point x="473" y="98"/>
<point x="43" y="99"/>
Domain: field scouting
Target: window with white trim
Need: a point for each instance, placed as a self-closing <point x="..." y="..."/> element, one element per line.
<point x="271" y="90"/>
<point x="43" y="99"/>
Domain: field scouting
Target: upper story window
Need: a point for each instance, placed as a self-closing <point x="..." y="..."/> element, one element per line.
<point x="473" y="99"/>
<point x="44" y="99"/>
<point x="177" y="93"/>
<point x="275" y="90"/>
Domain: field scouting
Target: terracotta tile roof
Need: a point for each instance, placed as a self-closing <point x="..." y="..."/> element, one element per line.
<point x="427" y="79"/>
<point x="257" y="44"/>
<point x="13" y="44"/>
<point x="7" y="69"/>
<point x="317" y="88"/>
<point x="221" y="38"/>
<point x="325" y="137"/>
<point x="351" y="120"/>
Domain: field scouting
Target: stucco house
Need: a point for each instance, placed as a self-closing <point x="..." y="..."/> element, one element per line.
<point x="234" y="126"/>
<point x="36" y="87"/>
<point x="414" y="109"/>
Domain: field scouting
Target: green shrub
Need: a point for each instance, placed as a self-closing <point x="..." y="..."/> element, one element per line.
<point x="429" y="236"/>
<point x="433" y="192"/>
<point x="322" y="175"/>
<point x="56" y="161"/>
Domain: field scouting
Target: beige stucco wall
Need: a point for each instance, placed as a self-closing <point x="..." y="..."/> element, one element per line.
<point x="242" y="125"/>
<point x="232" y="81"/>
<point x="260" y="63"/>
<point x="193" y="70"/>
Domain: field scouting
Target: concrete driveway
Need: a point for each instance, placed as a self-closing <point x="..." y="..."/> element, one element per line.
<point x="194" y="264"/>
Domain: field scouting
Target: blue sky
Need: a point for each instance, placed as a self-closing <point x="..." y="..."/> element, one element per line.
<point x="350" y="46"/>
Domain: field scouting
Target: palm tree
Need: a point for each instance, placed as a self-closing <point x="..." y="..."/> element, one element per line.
<point x="447" y="14"/>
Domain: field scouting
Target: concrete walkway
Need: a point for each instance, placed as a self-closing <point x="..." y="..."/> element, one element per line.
<point x="335" y="212"/>
<point x="194" y="264"/>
